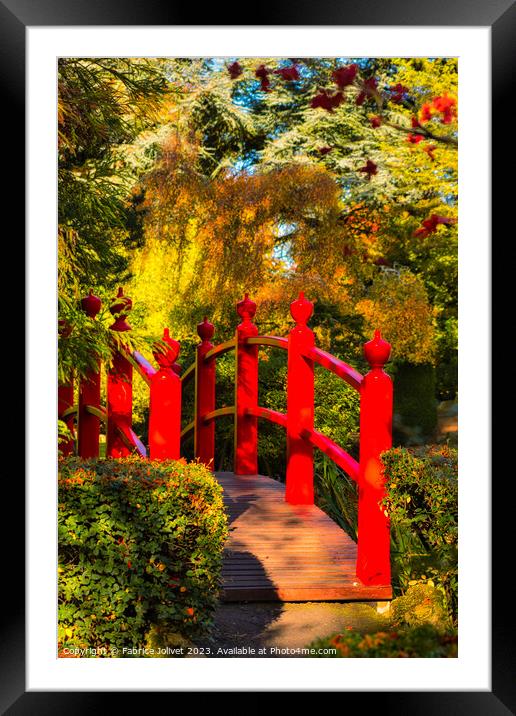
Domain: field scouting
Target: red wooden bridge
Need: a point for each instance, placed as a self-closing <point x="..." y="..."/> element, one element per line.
<point x="281" y="546"/>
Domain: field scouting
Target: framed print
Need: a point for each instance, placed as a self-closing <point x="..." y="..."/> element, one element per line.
<point x="343" y="49"/>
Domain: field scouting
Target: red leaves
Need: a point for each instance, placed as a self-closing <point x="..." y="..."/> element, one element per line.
<point x="415" y="138"/>
<point x="447" y="106"/>
<point x="397" y="92"/>
<point x="375" y="121"/>
<point x="429" y="226"/>
<point x="263" y="75"/>
<point x="415" y="122"/>
<point x="327" y="101"/>
<point x="426" y="112"/>
<point x="262" y="72"/>
<point x="444" y="105"/>
<point x="324" y="150"/>
<point x="370" y="169"/>
<point x="344" y="76"/>
<point x="235" y="70"/>
<point x="368" y="90"/>
<point x="289" y="74"/>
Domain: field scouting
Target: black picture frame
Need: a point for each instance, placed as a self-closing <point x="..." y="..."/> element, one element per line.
<point x="500" y="16"/>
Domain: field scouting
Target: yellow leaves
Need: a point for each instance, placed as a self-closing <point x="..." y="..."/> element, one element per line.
<point x="398" y="305"/>
<point x="248" y="215"/>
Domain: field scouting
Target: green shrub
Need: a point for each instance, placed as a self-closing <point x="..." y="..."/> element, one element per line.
<point x="422" y="503"/>
<point x="418" y="627"/>
<point x="408" y="642"/>
<point x="140" y="545"/>
<point x="421" y="604"/>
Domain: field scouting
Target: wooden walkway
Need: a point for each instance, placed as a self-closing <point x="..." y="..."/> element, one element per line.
<point x="282" y="552"/>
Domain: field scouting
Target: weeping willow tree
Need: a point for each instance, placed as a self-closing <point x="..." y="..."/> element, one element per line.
<point x="258" y="187"/>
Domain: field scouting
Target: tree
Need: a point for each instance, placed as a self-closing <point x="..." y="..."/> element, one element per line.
<point x="260" y="188"/>
<point x="104" y="104"/>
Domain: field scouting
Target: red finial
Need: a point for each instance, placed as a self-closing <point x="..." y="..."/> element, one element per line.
<point x="205" y="330"/>
<point x="166" y="357"/>
<point x="119" y="308"/>
<point x="301" y="309"/>
<point x="91" y="304"/>
<point x="377" y="351"/>
<point x="246" y="308"/>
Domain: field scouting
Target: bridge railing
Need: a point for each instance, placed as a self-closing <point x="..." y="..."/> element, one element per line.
<point x="165" y="434"/>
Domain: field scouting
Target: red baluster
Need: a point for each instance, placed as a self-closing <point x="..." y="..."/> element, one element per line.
<point x="373" y="553"/>
<point x="300" y="406"/>
<point x="119" y="383"/>
<point x="246" y="392"/>
<point x="165" y="403"/>
<point x="65" y="395"/>
<point x="204" y="437"/>
<point x="88" y="426"/>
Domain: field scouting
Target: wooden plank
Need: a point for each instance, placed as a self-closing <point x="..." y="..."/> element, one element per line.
<point x="293" y="594"/>
<point x="282" y="552"/>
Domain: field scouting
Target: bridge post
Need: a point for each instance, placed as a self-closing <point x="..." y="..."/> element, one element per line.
<point x="300" y="406"/>
<point x="165" y="403"/>
<point x="204" y="435"/>
<point x="246" y="392"/>
<point x="65" y="395"/>
<point x="373" y="550"/>
<point x="119" y="383"/>
<point x="88" y="425"/>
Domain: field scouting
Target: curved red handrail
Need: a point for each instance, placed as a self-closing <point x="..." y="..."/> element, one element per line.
<point x="274" y="341"/>
<point x="334" y="451"/>
<point x="326" y="360"/>
<point x="219" y="413"/>
<point x="142" y="365"/>
<point x="220" y="349"/>
<point x="273" y="415"/>
<point x="337" y="366"/>
<point x="131" y="439"/>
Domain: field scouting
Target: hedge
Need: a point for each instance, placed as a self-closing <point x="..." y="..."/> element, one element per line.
<point x="422" y="501"/>
<point x="423" y="641"/>
<point x="140" y="548"/>
<point x="422" y="496"/>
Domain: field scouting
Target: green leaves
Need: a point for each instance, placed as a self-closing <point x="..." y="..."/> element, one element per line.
<point x="422" y="495"/>
<point x="117" y="574"/>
